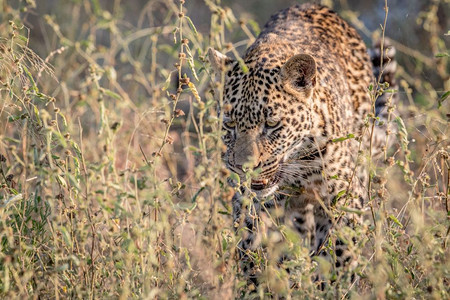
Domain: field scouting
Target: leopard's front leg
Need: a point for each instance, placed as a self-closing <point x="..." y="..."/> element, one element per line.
<point x="253" y="224"/>
<point x="331" y="225"/>
<point x="245" y="220"/>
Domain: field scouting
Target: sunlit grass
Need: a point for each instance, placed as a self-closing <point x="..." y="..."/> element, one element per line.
<point x="112" y="184"/>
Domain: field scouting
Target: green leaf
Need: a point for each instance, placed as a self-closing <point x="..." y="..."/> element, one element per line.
<point x="194" y="199"/>
<point x="255" y="26"/>
<point x="351" y="210"/>
<point x="235" y="178"/>
<point x="341" y="139"/>
<point x="224" y="244"/>
<point x="339" y="196"/>
<point x="443" y="97"/>
<point x="243" y="66"/>
<point x="341" y="193"/>
<point x="13" y="118"/>
<point x="23" y="38"/>
<point x="442" y="55"/>
<point x="396" y="221"/>
<point x="187" y="209"/>
<point x="61" y="181"/>
<point x="63" y="119"/>
<point x="12" y="140"/>
<point x="410" y="247"/>
<point x="192" y="25"/>
<point x="167" y="82"/>
<point x="112" y="94"/>
<point x="77" y="149"/>
<point x="33" y="83"/>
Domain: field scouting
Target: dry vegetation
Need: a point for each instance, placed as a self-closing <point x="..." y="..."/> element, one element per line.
<point x="111" y="178"/>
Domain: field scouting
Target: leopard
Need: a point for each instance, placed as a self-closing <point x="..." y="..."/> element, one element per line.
<point x="295" y="108"/>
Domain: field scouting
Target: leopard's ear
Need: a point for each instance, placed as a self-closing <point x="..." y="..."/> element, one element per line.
<point x="219" y="62"/>
<point x="298" y="75"/>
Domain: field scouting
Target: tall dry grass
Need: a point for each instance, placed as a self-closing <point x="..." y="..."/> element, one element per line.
<point x="112" y="184"/>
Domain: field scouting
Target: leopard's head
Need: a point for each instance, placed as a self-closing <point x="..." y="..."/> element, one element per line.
<point x="266" y="115"/>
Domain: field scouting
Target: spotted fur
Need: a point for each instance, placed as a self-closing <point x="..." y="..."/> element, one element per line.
<point x="306" y="87"/>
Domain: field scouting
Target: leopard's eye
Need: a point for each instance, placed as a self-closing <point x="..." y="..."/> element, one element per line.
<point x="229" y="124"/>
<point x="272" y="123"/>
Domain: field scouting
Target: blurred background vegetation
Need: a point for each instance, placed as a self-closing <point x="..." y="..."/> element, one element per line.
<point x="111" y="181"/>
